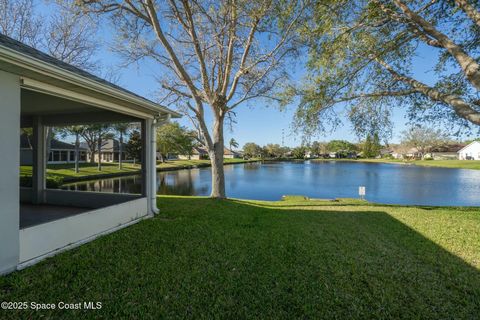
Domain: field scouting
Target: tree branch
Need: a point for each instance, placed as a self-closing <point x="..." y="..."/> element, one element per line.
<point x="161" y="37"/>
<point x="410" y="26"/>
<point x="231" y="42"/>
<point x="470" y="10"/>
<point x="375" y="95"/>
<point x="198" y="50"/>
<point x="460" y="106"/>
<point x="469" y="65"/>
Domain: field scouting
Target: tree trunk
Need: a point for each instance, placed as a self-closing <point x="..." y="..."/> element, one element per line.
<point x="48" y="142"/>
<point x="77" y="152"/>
<point x="92" y="150"/>
<point x="99" y="153"/>
<point x="120" y="149"/>
<point x="216" y="159"/>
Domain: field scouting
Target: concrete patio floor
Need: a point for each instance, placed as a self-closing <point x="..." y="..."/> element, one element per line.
<point x="31" y="215"/>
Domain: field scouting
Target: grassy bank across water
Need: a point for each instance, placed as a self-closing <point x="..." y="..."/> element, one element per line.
<point x="456" y="164"/>
<point x="188" y="164"/>
<point x="60" y="173"/>
<point x="203" y="258"/>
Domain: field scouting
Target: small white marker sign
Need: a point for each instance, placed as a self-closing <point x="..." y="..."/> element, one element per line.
<point x="361" y="191"/>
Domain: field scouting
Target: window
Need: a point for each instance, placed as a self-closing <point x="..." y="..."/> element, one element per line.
<point x="72" y="155"/>
<point x="50" y="156"/>
<point x="63" y="155"/>
<point x="56" y="155"/>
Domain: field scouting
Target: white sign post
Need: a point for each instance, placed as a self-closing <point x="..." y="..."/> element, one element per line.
<point x="361" y="192"/>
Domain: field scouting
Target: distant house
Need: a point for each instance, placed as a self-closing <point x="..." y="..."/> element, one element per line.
<point x="448" y="152"/>
<point x="201" y="153"/>
<point x="386" y="152"/>
<point x="198" y="153"/>
<point x="343" y="154"/>
<point x="230" y="154"/>
<point x="406" y="153"/>
<point x="110" y="151"/>
<point x="398" y="152"/>
<point x="60" y="152"/>
<point x="470" y="151"/>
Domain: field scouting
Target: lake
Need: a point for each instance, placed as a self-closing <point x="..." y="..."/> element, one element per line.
<point x="385" y="183"/>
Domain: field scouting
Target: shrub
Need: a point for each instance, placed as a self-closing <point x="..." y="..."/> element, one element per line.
<point x="51" y="182"/>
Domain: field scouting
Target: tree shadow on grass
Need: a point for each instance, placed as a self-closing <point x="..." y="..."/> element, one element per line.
<point x="364" y="264"/>
<point x="230" y="259"/>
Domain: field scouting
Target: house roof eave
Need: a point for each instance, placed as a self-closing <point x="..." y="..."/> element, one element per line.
<point x="73" y="76"/>
<point x="468" y="145"/>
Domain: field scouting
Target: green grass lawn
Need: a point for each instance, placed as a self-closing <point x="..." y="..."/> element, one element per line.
<point x="458" y="164"/>
<point x="205" y="259"/>
<point x="175" y="164"/>
<point x="67" y="171"/>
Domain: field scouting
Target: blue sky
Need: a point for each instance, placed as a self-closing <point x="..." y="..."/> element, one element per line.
<point x="262" y="123"/>
<point x="257" y="122"/>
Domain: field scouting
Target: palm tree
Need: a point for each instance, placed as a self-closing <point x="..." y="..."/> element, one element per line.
<point x="122" y="129"/>
<point x="233" y="144"/>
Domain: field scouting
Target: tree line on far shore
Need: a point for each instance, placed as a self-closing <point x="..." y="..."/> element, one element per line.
<point x="416" y="142"/>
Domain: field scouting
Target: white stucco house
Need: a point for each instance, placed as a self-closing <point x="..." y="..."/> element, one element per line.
<point x="470" y="151"/>
<point x="230" y="154"/>
<point x="38" y="91"/>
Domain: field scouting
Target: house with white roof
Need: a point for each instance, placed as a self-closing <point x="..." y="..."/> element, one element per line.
<point x="470" y="151"/>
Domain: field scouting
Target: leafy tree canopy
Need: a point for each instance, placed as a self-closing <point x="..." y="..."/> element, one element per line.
<point x="173" y="138"/>
<point x="341" y="145"/>
<point x="134" y="145"/>
<point x="274" y="150"/>
<point x="424" y="139"/>
<point x="252" y="150"/>
<point x="299" y="152"/>
<point x="371" y="146"/>
<point x="362" y="54"/>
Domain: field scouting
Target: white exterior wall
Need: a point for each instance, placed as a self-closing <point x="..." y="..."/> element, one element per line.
<point x="472" y="150"/>
<point x="49" y="238"/>
<point x="9" y="176"/>
<point x="192" y="157"/>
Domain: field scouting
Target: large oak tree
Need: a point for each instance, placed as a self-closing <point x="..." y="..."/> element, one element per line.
<point x="213" y="55"/>
<point x="363" y="55"/>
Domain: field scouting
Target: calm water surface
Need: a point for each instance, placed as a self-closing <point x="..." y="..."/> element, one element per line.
<point x="385" y="183"/>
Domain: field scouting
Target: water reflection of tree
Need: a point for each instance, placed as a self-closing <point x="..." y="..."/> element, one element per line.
<point x="252" y="166"/>
<point x="130" y="184"/>
<point x="180" y="182"/>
